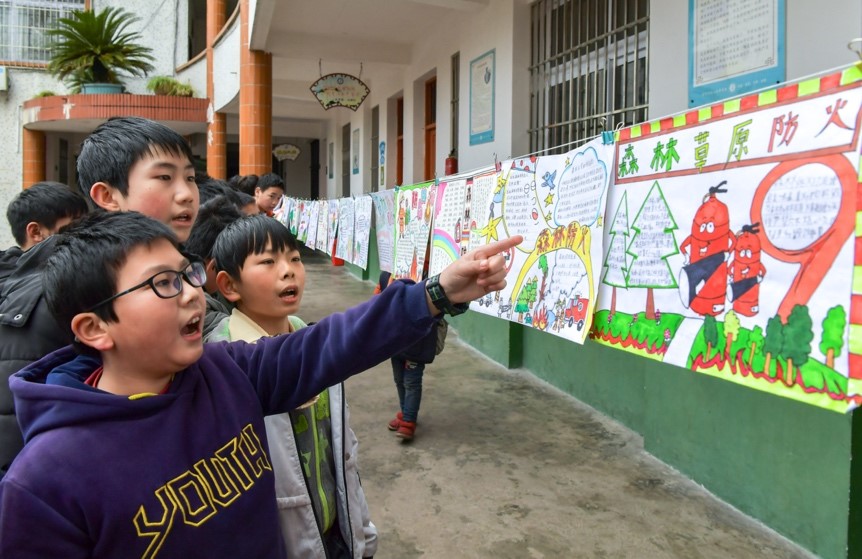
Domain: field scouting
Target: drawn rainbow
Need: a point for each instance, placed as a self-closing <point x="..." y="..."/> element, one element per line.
<point x="444" y="241"/>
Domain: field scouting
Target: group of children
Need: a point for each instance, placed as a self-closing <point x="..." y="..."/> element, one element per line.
<point x="141" y="440"/>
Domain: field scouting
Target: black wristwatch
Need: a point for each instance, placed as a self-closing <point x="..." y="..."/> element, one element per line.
<point x="440" y="300"/>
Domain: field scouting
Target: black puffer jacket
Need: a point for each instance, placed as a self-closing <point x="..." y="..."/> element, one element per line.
<point x="27" y="332"/>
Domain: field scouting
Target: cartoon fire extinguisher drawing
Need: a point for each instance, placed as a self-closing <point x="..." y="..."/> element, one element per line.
<point x="746" y="271"/>
<point x="703" y="280"/>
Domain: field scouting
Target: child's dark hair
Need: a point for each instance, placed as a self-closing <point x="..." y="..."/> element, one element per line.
<point x="88" y="256"/>
<point x="209" y="188"/>
<point x="241" y="199"/>
<point x="213" y="218"/>
<point x="109" y="152"/>
<point x="45" y="203"/>
<point x="250" y="235"/>
<point x="244" y="183"/>
<point x="270" y="180"/>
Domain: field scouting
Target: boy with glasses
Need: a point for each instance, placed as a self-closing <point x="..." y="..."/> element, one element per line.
<point x="149" y="444"/>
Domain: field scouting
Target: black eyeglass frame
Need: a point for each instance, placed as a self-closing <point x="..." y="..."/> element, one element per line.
<point x="149" y="282"/>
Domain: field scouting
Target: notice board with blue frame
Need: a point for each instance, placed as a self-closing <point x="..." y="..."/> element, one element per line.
<point x="735" y="46"/>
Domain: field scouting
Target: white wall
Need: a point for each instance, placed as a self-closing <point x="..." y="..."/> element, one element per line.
<point x="163" y="25"/>
<point x="816" y="40"/>
<point x="226" y="56"/>
<point x="23" y="84"/>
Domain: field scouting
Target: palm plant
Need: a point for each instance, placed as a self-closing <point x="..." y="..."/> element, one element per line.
<point x="93" y="47"/>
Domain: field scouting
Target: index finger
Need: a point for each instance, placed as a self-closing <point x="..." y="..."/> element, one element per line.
<point x="498" y="246"/>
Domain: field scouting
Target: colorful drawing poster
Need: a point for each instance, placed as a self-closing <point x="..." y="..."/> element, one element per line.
<point x="557" y="203"/>
<point x="384" y="216"/>
<point x="414" y="210"/>
<point x="313" y="217"/>
<point x="322" y="225"/>
<point x="294" y="217"/>
<point x="331" y="225"/>
<point x="282" y="212"/>
<point x="449" y="220"/>
<point x="361" y="230"/>
<point x="302" y="230"/>
<point x="730" y="242"/>
<point x="344" y="245"/>
<point x="480" y="202"/>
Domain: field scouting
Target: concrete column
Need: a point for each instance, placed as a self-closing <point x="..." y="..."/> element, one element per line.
<point x="255" y="104"/>
<point x="216" y="139"/>
<point x="33" y="145"/>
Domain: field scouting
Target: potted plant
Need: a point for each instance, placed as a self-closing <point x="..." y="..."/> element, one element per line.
<point x="91" y="48"/>
<point x="166" y="85"/>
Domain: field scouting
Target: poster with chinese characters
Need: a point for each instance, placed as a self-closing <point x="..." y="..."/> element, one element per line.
<point x="295" y="208"/>
<point x="322" y="225"/>
<point x="414" y="210"/>
<point x="344" y="243"/>
<point x="313" y="217"/>
<point x="449" y="220"/>
<point x="331" y="225"/>
<point x="282" y="212"/>
<point x="384" y="216"/>
<point x="730" y="242"/>
<point x="302" y="231"/>
<point x="480" y="202"/>
<point x="361" y="230"/>
<point x="557" y="202"/>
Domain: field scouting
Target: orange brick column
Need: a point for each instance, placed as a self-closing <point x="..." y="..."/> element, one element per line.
<point x="255" y="104"/>
<point x="33" y="157"/>
<point x="216" y="126"/>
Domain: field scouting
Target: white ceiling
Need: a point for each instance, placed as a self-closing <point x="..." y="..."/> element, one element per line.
<point x="308" y="39"/>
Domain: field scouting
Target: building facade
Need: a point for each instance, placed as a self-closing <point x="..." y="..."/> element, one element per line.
<point x="563" y="70"/>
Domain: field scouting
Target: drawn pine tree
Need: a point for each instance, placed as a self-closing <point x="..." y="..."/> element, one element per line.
<point x="652" y="244"/>
<point x="616" y="261"/>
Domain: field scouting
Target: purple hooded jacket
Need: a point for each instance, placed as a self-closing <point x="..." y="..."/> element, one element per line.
<point x="187" y="473"/>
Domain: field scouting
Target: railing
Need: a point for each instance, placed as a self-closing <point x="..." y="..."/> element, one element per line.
<point x="23" y="24"/>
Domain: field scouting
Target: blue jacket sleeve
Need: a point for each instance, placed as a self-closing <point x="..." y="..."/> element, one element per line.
<point x="290" y="369"/>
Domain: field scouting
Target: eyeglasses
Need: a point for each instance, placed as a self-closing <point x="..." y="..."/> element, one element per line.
<point x="167" y="284"/>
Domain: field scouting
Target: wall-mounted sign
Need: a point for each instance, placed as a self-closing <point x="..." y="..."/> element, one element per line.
<point x="286" y="151"/>
<point x="482" y="71"/>
<point x="735" y="46"/>
<point x="340" y="90"/>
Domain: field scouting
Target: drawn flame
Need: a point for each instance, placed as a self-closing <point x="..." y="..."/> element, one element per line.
<point x="540" y="319"/>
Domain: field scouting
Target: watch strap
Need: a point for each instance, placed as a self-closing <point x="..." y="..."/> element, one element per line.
<point x="440" y="300"/>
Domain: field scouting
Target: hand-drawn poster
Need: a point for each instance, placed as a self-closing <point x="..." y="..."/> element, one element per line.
<point x="361" y="230"/>
<point x="282" y="211"/>
<point x="313" y="217"/>
<point x="322" y="225"/>
<point x="450" y="215"/>
<point x="384" y="216"/>
<point x="344" y="246"/>
<point x="414" y="207"/>
<point x="730" y="242"/>
<point x="302" y="231"/>
<point x="557" y="202"/>
<point x="480" y="202"/>
<point x="294" y="216"/>
<point x="332" y="225"/>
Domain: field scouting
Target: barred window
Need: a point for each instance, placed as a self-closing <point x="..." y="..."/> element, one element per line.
<point x="23" y="24"/>
<point x="588" y="69"/>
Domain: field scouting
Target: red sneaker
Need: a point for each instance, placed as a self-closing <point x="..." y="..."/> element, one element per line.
<point x="406" y="430"/>
<point x="395" y="423"/>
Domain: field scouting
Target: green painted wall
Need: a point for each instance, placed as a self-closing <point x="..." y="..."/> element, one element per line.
<point x="787" y="464"/>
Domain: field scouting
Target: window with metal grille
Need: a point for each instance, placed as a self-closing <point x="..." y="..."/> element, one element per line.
<point x="588" y="69"/>
<point x="23" y="24"/>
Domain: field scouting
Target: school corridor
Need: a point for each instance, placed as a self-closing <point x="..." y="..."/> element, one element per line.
<point x="506" y="467"/>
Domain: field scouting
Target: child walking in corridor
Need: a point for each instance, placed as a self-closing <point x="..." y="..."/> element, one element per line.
<point x="408" y="367"/>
